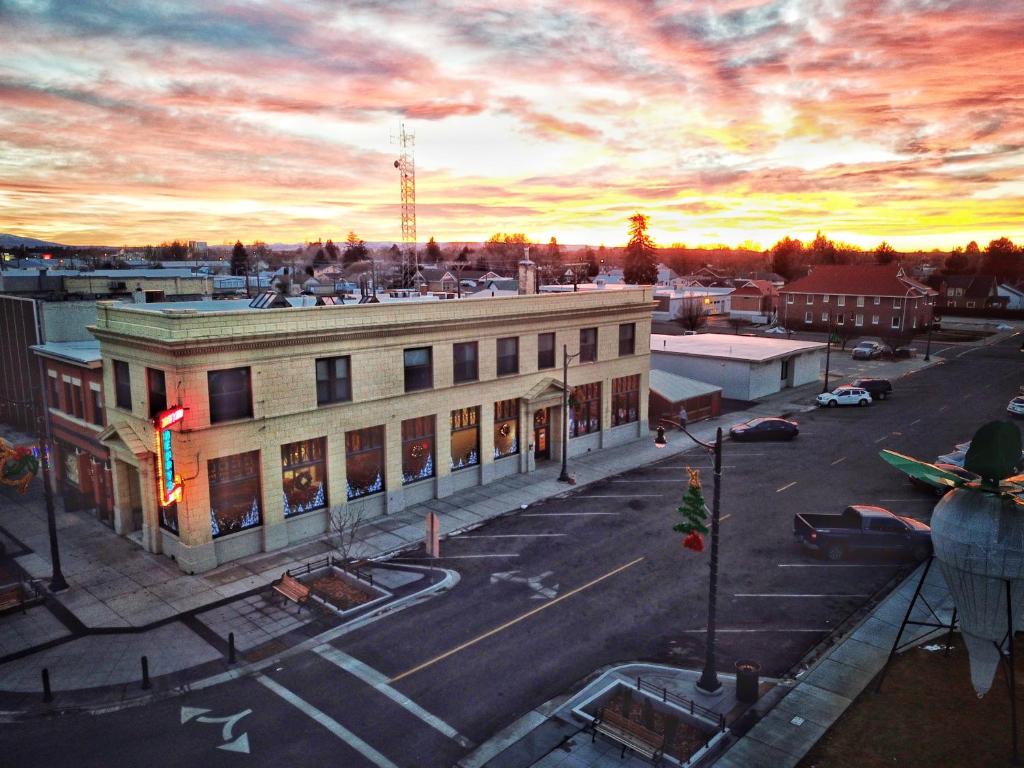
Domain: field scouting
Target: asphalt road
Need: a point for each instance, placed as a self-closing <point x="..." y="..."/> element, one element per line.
<point x="550" y="595"/>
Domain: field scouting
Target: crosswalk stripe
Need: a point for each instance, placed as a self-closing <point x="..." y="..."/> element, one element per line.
<point x="372" y="677"/>
<point x="327" y="722"/>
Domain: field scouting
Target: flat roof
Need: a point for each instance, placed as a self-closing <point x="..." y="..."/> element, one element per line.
<point x="84" y="352"/>
<point x="242" y="305"/>
<point x="674" y="387"/>
<point x="727" y="346"/>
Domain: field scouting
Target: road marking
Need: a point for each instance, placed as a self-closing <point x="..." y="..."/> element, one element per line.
<point x="566" y="514"/>
<point x="723" y="518"/>
<point x="883" y="437"/>
<point x="738" y="631"/>
<point x="833" y="565"/>
<point x="687" y="466"/>
<point x="788" y="485"/>
<point x="327" y="722"/>
<point x="512" y="622"/>
<point x="458" y="557"/>
<point x="838" y="461"/>
<point x="623" y="496"/>
<point x="536" y="583"/>
<point x="787" y="594"/>
<point x="372" y="677"/>
<point x="915" y="421"/>
<point x="241" y="744"/>
<point x="510" y="535"/>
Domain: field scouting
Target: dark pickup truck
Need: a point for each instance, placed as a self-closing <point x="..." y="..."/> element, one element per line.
<point x="861" y="528"/>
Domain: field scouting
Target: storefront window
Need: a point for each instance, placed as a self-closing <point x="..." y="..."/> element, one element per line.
<point x="71" y="466"/>
<point x="625" y="400"/>
<point x="417" y="449"/>
<point x="506" y="428"/>
<point x="169" y="517"/>
<point x="364" y="461"/>
<point x="585" y="410"/>
<point x="234" y="493"/>
<point x="304" y="476"/>
<point x="465" y="437"/>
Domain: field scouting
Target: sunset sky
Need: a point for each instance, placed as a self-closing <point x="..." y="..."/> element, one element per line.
<point x="724" y="121"/>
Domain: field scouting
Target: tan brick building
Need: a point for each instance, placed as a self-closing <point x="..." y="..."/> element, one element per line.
<point x="293" y="413"/>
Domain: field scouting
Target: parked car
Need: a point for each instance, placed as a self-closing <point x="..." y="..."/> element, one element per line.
<point x="904" y="353"/>
<point x="862" y="528"/>
<point x="867" y="350"/>
<point x="1016" y="407"/>
<point x="766" y="428"/>
<point x="879" y="389"/>
<point x="845" y="395"/>
<point x="937" y="488"/>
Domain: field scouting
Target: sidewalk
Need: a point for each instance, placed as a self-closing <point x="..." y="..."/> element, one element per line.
<point x="124" y="602"/>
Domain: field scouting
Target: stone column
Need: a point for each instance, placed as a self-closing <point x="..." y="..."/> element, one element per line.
<point x="394" y="500"/>
<point x="121" y="496"/>
<point x="486" y="426"/>
<point x="526" y="461"/>
<point x="443" y="459"/>
<point x="150" y="504"/>
<point x="337" y="475"/>
<point x="275" y="530"/>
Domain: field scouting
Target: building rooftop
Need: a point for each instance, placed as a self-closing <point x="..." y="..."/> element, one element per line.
<point x="82" y="352"/>
<point x="674" y="387"/>
<point x="858" y="280"/>
<point x="724" y="346"/>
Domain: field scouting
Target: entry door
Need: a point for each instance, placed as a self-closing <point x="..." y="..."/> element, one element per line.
<point x="135" y="497"/>
<point x="541" y="435"/>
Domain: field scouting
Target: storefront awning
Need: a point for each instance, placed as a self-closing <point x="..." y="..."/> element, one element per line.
<point x="122" y="436"/>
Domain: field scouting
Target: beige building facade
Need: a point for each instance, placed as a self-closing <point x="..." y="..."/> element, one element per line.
<point x="294" y="414"/>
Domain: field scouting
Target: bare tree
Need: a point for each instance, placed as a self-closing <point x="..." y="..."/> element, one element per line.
<point x="345" y="524"/>
<point x="692" y="315"/>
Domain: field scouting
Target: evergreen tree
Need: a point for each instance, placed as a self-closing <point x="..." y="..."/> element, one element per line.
<point x="355" y="249"/>
<point x="433" y="251"/>
<point x="239" y="259"/>
<point x="639" y="264"/>
<point x="331" y="250"/>
<point x="885" y="253"/>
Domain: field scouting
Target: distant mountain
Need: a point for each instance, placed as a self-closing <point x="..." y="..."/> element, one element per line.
<point x="13" y="241"/>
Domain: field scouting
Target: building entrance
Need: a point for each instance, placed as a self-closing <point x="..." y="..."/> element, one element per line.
<point x="542" y="434"/>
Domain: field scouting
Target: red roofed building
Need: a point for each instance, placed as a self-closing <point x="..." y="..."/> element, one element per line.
<point x="873" y="300"/>
<point x="755" y="300"/>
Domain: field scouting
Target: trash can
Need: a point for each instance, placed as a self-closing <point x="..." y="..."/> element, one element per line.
<point x="747" y="680"/>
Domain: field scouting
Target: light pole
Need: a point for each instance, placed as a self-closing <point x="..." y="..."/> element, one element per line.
<point x="931" y="322"/>
<point x="566" y="357"/>
<point x="709" y="682"/>
<point x="828" y="351"/>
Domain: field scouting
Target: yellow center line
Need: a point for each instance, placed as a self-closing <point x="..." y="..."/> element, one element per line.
<point x="507" y="624"/>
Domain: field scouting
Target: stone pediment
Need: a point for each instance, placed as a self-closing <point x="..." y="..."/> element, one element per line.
<point x="545" y="389"/>
<point x="123" y="437"/>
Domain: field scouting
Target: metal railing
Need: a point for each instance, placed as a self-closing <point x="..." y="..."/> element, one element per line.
<point x="683" y="703"/>
<point x="357" y="568"/>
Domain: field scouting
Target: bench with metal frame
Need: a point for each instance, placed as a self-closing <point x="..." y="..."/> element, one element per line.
<point x="12" y="596"/>
<point x="293" y="589"/>
<point x="630" y="735"/>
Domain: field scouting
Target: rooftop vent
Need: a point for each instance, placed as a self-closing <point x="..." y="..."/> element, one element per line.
<point x="270" y="300"/>
<point x="329" y="301"/>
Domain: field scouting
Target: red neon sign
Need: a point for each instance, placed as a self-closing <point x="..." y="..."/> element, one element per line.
<point x="167" y="418"/>
<point x="168" y="483"/>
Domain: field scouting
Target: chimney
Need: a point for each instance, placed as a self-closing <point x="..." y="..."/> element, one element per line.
<point x="527" y="274"/>
<point x="424" y="288"/>
<point x="138" y="295"/>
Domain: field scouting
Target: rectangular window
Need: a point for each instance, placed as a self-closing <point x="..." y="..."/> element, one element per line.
<point x="156" y="389"/>
<point x="808" y="317"/>
<point x="419" y="369"/>
<point x="588" y="345"/>
<point x="122" y="385"/>
<point x="364" y="461"/>
<point x="545" y="351"/>
<point x="466" y="361"/>
<point x="784" y="369"/>
<point x="950" y="292"/>
<point x="506" y="428"/>
<point x="896" y="303"/>
<point x="859" y="321"/>
<point x="874" y="319"/>
<point x="825" y="298"/>
<point x="790" y="298"/>
<point x="230" y="395"/>
<point x="878" y="300"/>
<point x="860" y="301"/>
<point x="824" y="317"/>
<point x="333" y="381"/>
<point x="54" y="391"/>
<point x="508" y="356"/>
<point x="627" y="339"/>
<point x="841" y="301"/>
<point x="585" y="409"/>
<point x="97" y="408"/>
<point x="234" y="493"/>
<point x="304" y="475"/>
<point x="896" y="322"/>
<point x="625" y="400"/>
<point x="417" y="449"/>
<point x="465" y="437"/>
<point x="840" y="319"/>
<point x="810" y="299"/>
<point x="77" y="401"/>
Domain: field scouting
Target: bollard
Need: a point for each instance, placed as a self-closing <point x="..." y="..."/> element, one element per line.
<point x="231" y="647"/>
<point x="47" y="694"/>
<point x="145" y="673"/>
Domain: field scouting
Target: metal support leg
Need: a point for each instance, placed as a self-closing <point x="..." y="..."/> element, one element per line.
<point x="1013" y="673"/>
<point x="903" y="625"/>
<point x="949" y="635"/>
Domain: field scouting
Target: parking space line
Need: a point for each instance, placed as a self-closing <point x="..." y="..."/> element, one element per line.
<point x="516" y="620"/>
<point x="623" y="496"/>
<point x="741" y="631"/>
<point x="788" y="594"/>
<point x="650" y="480"/>
<point x="915" y="421"/>
<point x="788" y="485"/>
<point x="916" y="498"/>
<point x="511" y="535"/>
<point x="327" y="722"/>
<point x="838" y="461"/>
<point x="723" y="518"/>
<point x="566" y="514"/>
<point x="883" y="437"/>
<point x="833" y="565"/>
<point x="458" y="557"/>
<point x="372" y="677"/>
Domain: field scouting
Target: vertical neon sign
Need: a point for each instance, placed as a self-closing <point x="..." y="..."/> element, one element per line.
<point x="168" y="482"/>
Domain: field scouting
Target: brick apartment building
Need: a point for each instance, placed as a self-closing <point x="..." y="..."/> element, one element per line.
<point x="867" y="300"/>
<point x="292" y="413"/>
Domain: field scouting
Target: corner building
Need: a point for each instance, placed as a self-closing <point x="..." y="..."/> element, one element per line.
<point x="294" y="413"/>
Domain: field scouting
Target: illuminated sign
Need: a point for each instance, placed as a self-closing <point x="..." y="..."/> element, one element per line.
<point x="169" y="484"/>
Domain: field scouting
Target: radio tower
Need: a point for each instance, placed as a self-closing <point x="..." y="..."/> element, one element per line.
<point x="406" y="165"/>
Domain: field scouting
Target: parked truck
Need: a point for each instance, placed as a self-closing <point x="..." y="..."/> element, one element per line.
<point x="862" y="528"/>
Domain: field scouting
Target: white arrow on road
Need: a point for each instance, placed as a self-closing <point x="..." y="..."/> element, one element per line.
<point x="533" y="582"/>
<point x="241" y="744"/>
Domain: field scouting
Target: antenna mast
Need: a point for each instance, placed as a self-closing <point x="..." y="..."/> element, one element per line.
<point x="406" y="165"/>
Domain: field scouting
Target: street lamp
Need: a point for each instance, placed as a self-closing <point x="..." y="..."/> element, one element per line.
<point x="566" y="357"/>
<point x="931" y="322"/>
<point x="709" y="682"/>
<point x="828" y="351"/>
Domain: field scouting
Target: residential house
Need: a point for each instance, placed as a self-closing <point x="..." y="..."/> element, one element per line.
<point x="966" y="292"/>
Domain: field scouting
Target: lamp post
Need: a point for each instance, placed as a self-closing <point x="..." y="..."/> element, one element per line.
<point x="828" y="351"/>
<point x="931" y="322"/>
<point x="709" y="682"/>
<point x="566" y="357"/>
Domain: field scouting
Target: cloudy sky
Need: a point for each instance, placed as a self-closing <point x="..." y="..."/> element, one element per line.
<point x="724" y="120"/>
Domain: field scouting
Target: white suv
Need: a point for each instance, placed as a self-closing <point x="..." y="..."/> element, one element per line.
<point x="844" y="396"/>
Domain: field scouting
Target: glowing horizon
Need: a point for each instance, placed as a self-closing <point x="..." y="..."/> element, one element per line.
<point x="724" y="121"/>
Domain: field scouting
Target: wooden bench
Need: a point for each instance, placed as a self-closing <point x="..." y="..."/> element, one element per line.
<point x="293" y="590"/>
<point x="630" y="735"/>
<point x="11" y="596"/>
